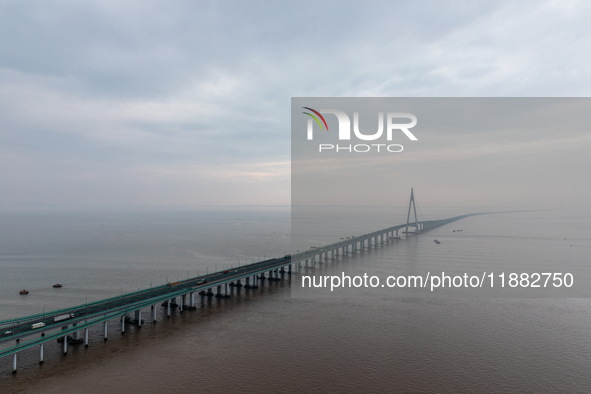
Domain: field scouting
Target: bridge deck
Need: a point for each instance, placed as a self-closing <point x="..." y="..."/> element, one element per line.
<point x="90" y="314"/>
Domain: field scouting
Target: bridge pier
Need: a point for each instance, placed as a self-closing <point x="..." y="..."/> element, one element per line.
<point x="75" y="334"/>
<point x="192" y="299"/>
<point x="86" y="337"/>
<point x="65" y="347"/>
<point x="138" y="317"/>
<point x="41" y="350"/>
<point x="181" y="303"/>
<point x="14" y="363"/>
<point x="105" y="330"/>
<point x="122" y="324"/>
<point x="153" y="313"/>
<point x="207" y="292"/>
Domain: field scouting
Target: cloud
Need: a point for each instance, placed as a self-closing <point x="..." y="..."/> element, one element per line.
<point x="116" y="88"/>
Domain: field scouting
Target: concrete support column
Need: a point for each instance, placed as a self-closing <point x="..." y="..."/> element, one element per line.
<point x="86" y="337"/>
<point x="138" y="317"/>
<point x="226" y="289"/>
<point x="181" y="302"/>
<point x="105" y="330"/>
<point x="153" y="313"/>
<point x="65" y="347"/>
<point x="75" y="334"/>
<point x="219" y="290"/>
<point x="191" y="299"/>
<point x="14" y="363"/>
<point x="168" y="307"/>
<point x="41" y="348"/>
<point x="122" y="324"/>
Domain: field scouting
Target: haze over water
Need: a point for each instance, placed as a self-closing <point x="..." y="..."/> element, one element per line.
<point x="265" y="340"/>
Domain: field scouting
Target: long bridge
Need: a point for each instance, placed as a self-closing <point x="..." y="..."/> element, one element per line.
<point x="71" y="325"/>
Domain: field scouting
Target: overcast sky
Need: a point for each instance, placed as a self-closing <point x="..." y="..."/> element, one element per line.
<point x="187" y="103"/>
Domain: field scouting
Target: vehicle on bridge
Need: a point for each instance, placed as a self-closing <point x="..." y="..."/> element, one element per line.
<point x="37" y="325"/>
<point x="201" y="282"/>
<point x="63" y="317"/>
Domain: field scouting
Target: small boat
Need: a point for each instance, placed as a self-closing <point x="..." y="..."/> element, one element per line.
<point x="23" y="291"/>
<point x="436" y="241"/>
<point x="57" y="285"/>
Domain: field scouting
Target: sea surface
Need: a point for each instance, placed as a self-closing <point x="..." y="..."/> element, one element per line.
<point x="268" y="340"/>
